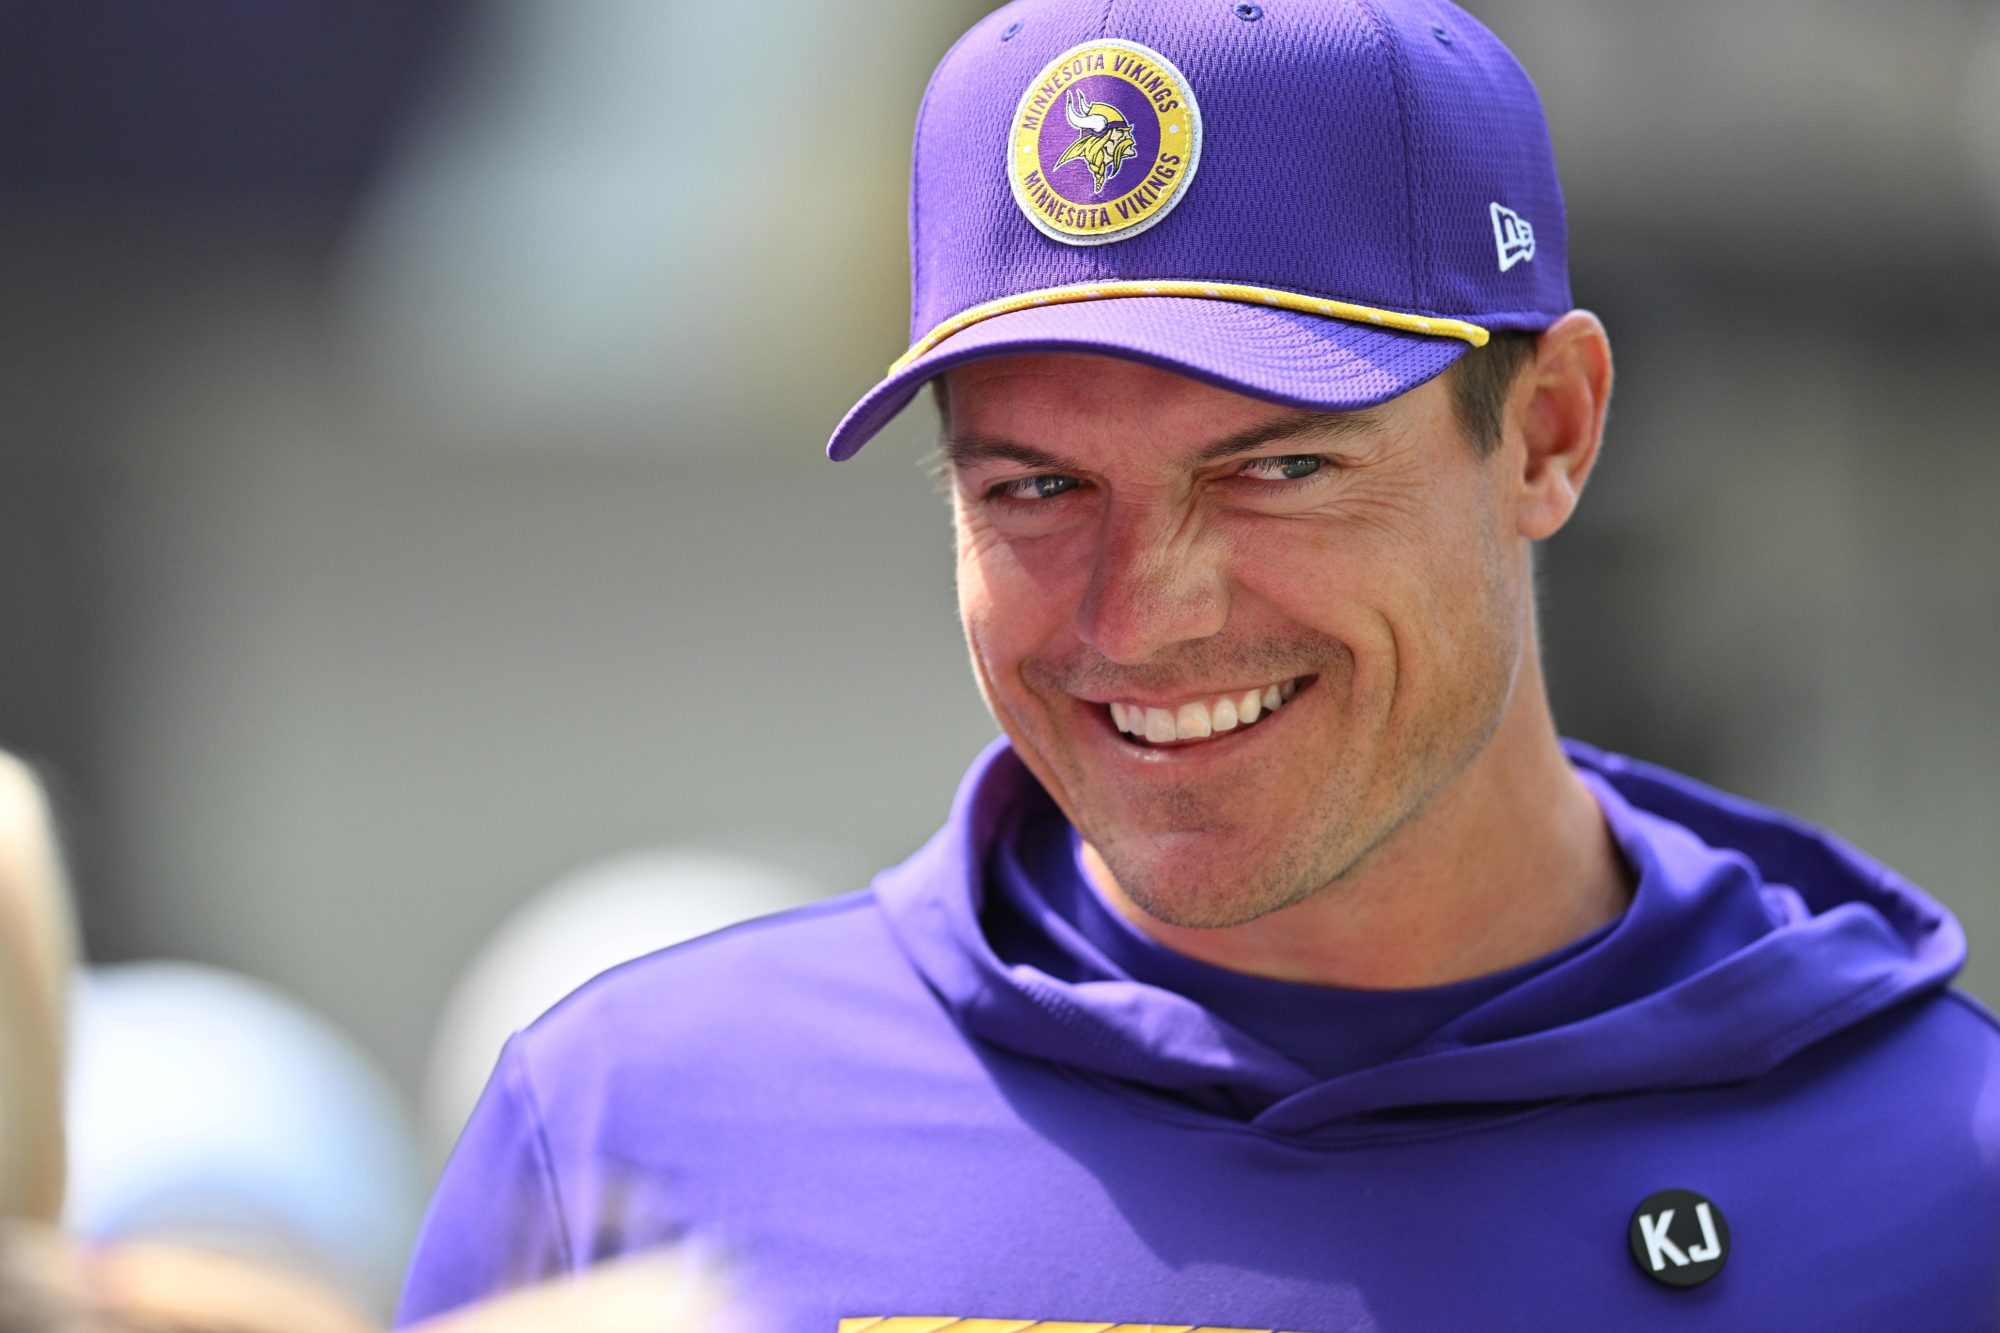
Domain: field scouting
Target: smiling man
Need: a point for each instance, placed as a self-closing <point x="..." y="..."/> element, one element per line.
<point x="1280" y="968"/>
<point x="1277" y="665"/>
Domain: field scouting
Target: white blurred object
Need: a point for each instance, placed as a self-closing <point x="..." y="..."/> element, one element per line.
<point x="37" y="954"/>
<point x="595" y="918"/>
<point x="210" y="1109"/>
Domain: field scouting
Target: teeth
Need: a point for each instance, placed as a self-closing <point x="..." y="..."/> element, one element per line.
<point x="1200" y="719"/>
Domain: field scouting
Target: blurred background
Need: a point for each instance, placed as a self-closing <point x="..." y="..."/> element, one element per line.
<point x="420" y="579"/>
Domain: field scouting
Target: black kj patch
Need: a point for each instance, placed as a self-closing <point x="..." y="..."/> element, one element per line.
<point x="1678" y="1238"/>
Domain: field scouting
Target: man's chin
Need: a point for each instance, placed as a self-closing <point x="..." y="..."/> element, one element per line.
<point x="1199" y="880"/>
<point x="1207" y="904"/>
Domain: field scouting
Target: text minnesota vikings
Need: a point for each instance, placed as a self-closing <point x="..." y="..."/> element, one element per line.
<point x="1104" y="135"/>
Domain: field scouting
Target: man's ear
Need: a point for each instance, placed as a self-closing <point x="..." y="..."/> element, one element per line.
<point x="1557" y="409"/>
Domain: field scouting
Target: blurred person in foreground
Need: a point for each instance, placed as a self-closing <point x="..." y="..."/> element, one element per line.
<point x="37" y="959"/>
<point x="49" y="1284"/>
<point x="1281" y="968"/>
<point x="53" y="1283"/>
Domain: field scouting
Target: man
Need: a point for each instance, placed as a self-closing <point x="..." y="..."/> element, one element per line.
<point x="1281" y="969"/>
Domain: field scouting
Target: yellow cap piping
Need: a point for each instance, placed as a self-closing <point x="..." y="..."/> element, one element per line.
<point x="1211" y="291"/>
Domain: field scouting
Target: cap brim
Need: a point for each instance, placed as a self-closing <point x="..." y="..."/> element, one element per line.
<point x="1297" y="360"/>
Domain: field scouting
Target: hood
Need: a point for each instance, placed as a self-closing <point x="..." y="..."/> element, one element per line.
<point x="1750" y="937"/>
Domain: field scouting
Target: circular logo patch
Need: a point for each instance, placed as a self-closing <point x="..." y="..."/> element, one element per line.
<point x="1104" y="144"/>
<point x="1678" y="1238"/>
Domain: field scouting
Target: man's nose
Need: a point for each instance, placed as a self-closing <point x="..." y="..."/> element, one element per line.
<point x="1155" y="580"/>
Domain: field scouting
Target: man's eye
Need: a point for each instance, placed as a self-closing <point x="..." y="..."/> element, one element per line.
<point x="1045" y="487"/>
<point x="1285" y="467"/>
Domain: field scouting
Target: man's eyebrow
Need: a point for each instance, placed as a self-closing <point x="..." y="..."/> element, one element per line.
<point x="962" y="451"/>
<point x="972" y="449"/>
<point x="1298" y="424"/>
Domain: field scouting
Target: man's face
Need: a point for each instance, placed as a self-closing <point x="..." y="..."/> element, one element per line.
<point x="1130" y="537"/>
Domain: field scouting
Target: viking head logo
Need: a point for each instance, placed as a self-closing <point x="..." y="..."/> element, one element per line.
<point x="1103" y="138"/>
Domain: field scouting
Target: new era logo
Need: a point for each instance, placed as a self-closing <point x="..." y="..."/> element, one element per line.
<point x="1514" y="237"/>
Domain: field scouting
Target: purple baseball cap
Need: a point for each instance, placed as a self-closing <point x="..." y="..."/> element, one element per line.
<point x="1322" y="203"/>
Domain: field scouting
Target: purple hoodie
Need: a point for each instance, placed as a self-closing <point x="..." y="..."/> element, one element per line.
<point x="971" y="1092"/>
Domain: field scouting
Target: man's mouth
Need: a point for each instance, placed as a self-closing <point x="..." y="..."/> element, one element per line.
<point x="1203" y="718"/>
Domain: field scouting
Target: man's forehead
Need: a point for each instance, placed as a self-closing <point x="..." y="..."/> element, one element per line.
<point x="1047" y="409"/>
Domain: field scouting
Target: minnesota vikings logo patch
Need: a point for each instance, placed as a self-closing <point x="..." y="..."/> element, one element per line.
<point x="1104" y="144"/>
<point x="1103" y="138"/>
